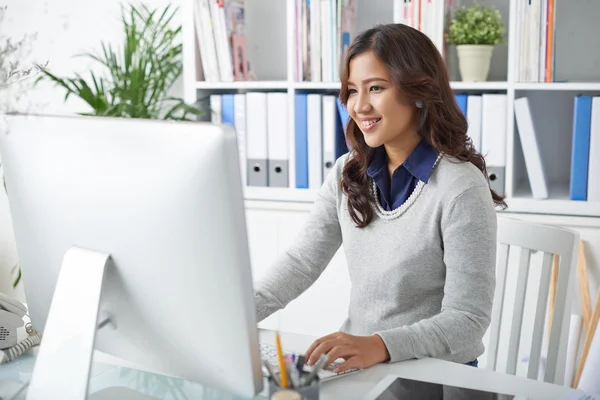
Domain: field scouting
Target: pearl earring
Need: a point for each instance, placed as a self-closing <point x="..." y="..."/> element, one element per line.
<point x="419" y="104"/>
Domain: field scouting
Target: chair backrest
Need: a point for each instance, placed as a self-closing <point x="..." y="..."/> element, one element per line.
<point x="549" y="240"/>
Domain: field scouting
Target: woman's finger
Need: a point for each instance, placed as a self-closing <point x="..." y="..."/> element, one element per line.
<point x="316" y="343"/>
<point x="340" y="351"/>
<point x="322" y="348"/>
<point x="355" y="362"/>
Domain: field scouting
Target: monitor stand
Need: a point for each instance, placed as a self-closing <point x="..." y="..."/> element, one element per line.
<point x="62" y="367"/>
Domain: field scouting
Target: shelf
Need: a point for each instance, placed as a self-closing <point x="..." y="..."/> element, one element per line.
<point x="477" y="86"/>
<point x="266" y="85"/>
<point x="279" y="194"/>
<point x="557" y="204"/>
<point x="456" y="85"/>
<point x="574" y="86"/>
<point x="553" y="206"/>
<point x="247" y="85"/>
<point x="318" y="85"/>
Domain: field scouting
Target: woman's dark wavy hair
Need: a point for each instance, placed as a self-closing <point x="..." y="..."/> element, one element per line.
<point x="419" y="72"/>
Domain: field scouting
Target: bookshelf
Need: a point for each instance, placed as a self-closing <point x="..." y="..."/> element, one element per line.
<point x="271" y="47"/>
<point x="276" y="85"/>
<point x="242" y="85"/>
<point x="570" y="86"/>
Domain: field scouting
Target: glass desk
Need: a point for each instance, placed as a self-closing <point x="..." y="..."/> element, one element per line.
<point x="141" y="384"/>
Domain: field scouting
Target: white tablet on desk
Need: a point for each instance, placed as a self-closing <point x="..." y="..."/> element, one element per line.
<point x="396" y="388"/>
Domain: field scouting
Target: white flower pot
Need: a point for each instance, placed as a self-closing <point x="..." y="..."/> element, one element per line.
<point x="474" y="61"/>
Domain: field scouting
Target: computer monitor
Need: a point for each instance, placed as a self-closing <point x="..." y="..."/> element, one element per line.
<point x="137" y="226"/>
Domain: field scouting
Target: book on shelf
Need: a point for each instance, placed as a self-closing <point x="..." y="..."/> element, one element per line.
<point x="535" y="44"/>
<point x="267" y="148"/>
<point x="324" y="30"/>
<point x="427" y="16"/>
<point x="220" y="28"/>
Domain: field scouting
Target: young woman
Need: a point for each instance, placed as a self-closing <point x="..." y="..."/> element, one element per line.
<point x="412" y="206"/>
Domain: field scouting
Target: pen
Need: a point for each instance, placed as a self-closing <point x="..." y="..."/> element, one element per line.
<point x="294" y="376"/>
<point x="300" y="363"/>
<point x="272" y="373"/>
<point x="317" y="367"/>
<point x="282" y="367"/>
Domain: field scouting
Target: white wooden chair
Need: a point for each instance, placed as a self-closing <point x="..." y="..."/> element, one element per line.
<point x="549" y="240"/>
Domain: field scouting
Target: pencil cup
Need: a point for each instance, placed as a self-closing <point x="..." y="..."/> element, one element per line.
<point x="308" y="392"/>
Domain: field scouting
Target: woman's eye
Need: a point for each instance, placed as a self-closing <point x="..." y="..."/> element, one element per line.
<point x="351" y="91"/>
<point x="376" y="88"/>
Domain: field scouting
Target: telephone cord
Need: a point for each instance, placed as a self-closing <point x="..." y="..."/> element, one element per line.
<point x="12" y="353"/>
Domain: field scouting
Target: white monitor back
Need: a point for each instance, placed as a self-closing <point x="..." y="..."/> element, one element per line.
<point x="165" y="200"/>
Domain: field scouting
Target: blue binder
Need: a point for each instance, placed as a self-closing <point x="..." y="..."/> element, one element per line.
<point x="301" y="141"/>
<point x="461" y="100"/>
<point x="227" y="109"/>
<point x="580" y="151"/>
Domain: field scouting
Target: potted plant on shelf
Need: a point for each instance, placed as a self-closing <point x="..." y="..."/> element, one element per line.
<point x="139" y="76"/>
<point x="475" y="30"/>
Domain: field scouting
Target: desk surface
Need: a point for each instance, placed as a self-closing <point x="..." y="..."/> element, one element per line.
<point x="108" y="372"/>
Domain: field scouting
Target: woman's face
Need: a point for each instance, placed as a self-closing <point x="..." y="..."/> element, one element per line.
<point x="383" y="115"/>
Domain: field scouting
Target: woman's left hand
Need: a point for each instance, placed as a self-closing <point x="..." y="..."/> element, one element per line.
<point x="359" y="352"/>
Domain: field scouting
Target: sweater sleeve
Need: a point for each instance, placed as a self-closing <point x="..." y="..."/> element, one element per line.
<point x="468" y="230"/>
<point x="299" y="266"/>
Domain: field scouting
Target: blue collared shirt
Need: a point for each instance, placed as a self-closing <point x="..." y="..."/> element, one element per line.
<point x="417" y="167"/>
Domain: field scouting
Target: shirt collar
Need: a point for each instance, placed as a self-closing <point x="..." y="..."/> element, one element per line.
<point x="419" y="162"/>
<point x="378" y="163"/>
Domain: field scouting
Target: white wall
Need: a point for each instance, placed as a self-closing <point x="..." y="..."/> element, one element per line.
<point x="64" y="28"/>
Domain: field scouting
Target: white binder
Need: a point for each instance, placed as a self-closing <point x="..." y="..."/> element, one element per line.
<point x="239" y="110"/>
<point x="493" y="138"/>
<point x="216" y="109"/>
<point x="277" y="140"/>
<point x="474" y="103"/>
<point x="315" y="141"/>
<point x="329" y="124"/>
<point x="256" y="133"/>
<point x="593" y="190"/>
<point x="531" y="149"/>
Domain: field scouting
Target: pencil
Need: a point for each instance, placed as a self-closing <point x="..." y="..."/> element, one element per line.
<point x="282" y="367"/>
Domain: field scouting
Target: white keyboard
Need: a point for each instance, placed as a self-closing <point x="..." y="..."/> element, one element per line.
<point x="269" y="354"/>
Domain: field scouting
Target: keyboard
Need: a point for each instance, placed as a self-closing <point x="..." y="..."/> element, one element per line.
<point x="268" y="353"/>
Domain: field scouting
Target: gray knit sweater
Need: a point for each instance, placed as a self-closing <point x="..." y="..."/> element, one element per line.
<point x="423" y="281"/>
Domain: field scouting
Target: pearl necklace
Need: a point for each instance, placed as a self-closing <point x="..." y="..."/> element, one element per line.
<point x="393" y="214"/>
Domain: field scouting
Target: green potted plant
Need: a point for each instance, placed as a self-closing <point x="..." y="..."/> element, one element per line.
<point x="137" y="77"/>
<point x="475" y="30"/>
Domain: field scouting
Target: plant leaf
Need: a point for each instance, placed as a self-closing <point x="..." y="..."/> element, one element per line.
<point x="18" y="278"/>
<point x="138" y="75"/>
<point x="477" y="24"/>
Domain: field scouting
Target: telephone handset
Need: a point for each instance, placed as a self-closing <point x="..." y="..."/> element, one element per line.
<point x="11" y="318"/>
